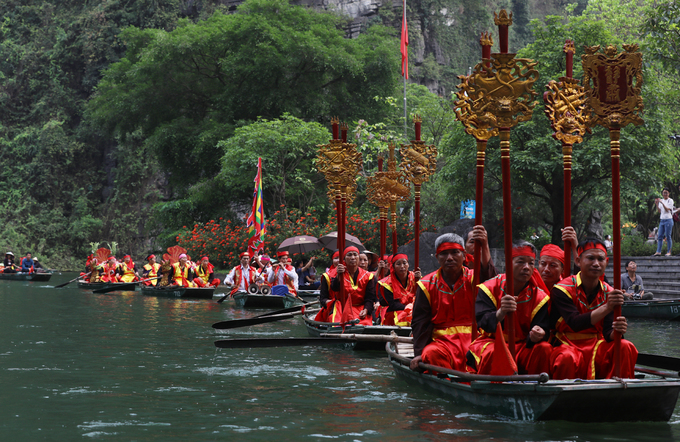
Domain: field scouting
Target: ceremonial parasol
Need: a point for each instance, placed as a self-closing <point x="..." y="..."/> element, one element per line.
<point x="300" y="244"/>
<point x="330" y="241"/>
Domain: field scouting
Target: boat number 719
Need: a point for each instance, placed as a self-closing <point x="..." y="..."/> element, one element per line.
<point x="525" y="410"/>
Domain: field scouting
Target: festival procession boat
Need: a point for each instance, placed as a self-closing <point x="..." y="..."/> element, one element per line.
<point x="536" y="398"/>
<point x="35" y="277"/>
<point x="328" y="329"/>
<point x="668" y="309"/>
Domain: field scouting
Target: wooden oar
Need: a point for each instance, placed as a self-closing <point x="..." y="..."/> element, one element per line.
<point x="658" y="361"/>
<point x="221" y="300"/>
<point x="287" y="310"/>
<point x="236" y="323"/>
<point x="275" y="342"/>
<point x="67" y="283"/>
<point x="117" y="286"/>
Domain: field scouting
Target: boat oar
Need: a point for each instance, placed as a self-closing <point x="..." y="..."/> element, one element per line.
<point x="236" y="323"/>
<point x="287" y="310"/>
<point x="275" y="342"/>
<point x="122" y="286"/>
<point x="221" y="300"/>
<point x="67" y="283"/>
<point x="658" y="361"/>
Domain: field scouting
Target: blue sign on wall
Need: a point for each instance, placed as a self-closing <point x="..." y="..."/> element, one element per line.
<point x="467" y="209"/>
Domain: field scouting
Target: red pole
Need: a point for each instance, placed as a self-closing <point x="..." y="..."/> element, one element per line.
<point x="338" y="211"/>
<point x="383" y="222"/>
<point x="504" y="133"/>
<point x="334" y="126"/>
<point x="416" y="226"/>
<point x="566" y="159"/>
<point x="615" y="146"/>
<point x="479" y="210"/>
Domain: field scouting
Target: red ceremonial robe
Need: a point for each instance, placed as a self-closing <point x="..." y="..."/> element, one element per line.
<point x="206" y="277"/>
<point x="361" y="292"/>
<point x="442" y="319"/>
<point x="583" y="350"/>
<point x="237" y="279"/>
<point x="287" y="280"/>
<point x="182" y="276"/>
<point x="109" y="273"/>
<point x="399" y="299"/>
<point x="532" y="309"/>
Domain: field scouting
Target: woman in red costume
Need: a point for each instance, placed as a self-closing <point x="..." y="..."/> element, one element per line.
<point x="358" y="292"/>
<point x="110" y="272"/>
<point x="205" y="275"/>
<point x="399" y="291"/>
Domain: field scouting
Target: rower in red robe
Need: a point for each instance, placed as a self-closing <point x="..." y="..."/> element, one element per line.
<point x="529" y="305"/>
<point x="205" y="275"/>
<point x="551" y="262"/>
<point x="110" y="271"/>
<point x="444" y="307"/>
<point x="150" y="271"/>
<point x="283" y="274"/>
<point x="127" y="271"/>
<point x="358" y="292"/>
<point x="399" y="291"/>
<point x="241" y="276"/>
<point x="182" y="275"/>
<point x="583" y="317"/>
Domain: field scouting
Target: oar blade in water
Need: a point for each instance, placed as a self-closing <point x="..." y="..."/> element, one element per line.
<point x="296" y="308"/>
<point x="276" y="342"/>
<point x="658" y="361"/>
<point x="236" y="323"/>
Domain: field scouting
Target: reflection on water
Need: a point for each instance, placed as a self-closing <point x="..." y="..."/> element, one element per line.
<point x="122" y="366"/>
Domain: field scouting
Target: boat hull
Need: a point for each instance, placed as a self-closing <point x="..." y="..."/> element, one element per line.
<point x="316" y="328"/>
<point x="655" y="309"/>
<point x="179" y="292"/>
<point x="571" y="400"/>
<point x="104" y="285"/>
<point x="256" y="300"/>
<point x="36" y="277"/>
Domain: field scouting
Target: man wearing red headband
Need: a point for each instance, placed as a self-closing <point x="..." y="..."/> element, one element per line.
<point x="583" y="314"/>
<point x="551" y="262"/>
<point x="150" y="271"/>
<point x="110" y="272"/>
<point x="529" y="305"/>
<point x="182" y="273"/>
<point x="283" y="274"/>
<point x="241" y="276"/>
<point x="444" y="307"/>
<point x="397" y="292"/>
<point x="205" y="275"/>
<point x="359" y="292"/>
<point x="127" y="270"/>
<point x="478" y="233"/>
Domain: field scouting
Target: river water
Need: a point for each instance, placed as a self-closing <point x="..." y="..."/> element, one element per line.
<point x="122" y="366"/>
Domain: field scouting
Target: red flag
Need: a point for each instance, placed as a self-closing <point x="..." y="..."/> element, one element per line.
<point x="502" y="364"/>
<point x="255" y="222"/>
<point x="404" y="45"/>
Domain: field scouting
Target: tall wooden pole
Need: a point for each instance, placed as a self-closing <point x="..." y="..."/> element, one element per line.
<point x="566" y="166"/>
<point x="383" y="221"/>
<point x="615" y="147"/>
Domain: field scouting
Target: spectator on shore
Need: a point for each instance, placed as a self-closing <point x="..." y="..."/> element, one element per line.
<point x="632" y="285"/>
<point x="665" y="208"/>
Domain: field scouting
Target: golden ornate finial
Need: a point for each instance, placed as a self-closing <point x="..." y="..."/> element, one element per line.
<point x="569" y="47"/>
<point x="335" y="120"/>
<point x="611" y="51"/>
<point x="565" y="107"/>
<point x="344" y="126"/>
<point x="502" y="18"/>
<point x="417" y="119"/>
<point x="486" y="39"/>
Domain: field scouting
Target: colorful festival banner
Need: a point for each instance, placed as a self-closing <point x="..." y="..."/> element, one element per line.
<point x="255" y="223"/>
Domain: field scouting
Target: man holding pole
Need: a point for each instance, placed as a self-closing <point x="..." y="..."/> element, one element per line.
<point x="583" y="317"/>
<point x="525" y="312"/>
<point x="444" y="308"/>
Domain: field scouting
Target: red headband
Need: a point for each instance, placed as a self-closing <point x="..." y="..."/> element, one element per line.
<point x="591" y="245"/>
<point x="399" y="256"/>
<point x="150" y="257"/>
<point x="127" y="256"/>
<point x="448" y="246"/>
<point x="280" y="254"/>
<point x="523" y="251"/>
<point x="336" y="254"/>
<point x="350" y="249"/>
<point x="244" y="254"/>
<point x="553" y="251"/>
<point x="205" y="257"/>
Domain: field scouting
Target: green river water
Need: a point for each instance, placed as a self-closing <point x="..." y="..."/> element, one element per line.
<point x="122" y="366"/>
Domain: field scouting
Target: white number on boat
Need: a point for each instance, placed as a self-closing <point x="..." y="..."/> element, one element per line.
<point x="674" y="308"/>
<point x="177" y="293"/>
<point x="527" y="413"/>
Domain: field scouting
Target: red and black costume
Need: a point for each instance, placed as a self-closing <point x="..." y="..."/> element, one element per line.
<point x="397" y="296"/>
<point x="532" y="309"/>
<point x="442" y="316"/>
<point x="584" y="350"/>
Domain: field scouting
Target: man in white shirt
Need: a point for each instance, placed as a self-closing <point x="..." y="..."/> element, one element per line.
<point x="283" y="274"/>
<point x="241" y="276"/>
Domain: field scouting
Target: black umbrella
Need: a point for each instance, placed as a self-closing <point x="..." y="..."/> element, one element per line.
<point x="330" y="241"/>
<point x="300" y="244"/>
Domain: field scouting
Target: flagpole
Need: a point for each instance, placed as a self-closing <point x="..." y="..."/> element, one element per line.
<point x="404" y="64"/>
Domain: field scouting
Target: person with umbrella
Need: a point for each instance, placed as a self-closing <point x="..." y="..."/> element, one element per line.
<point x="359" y="292"/>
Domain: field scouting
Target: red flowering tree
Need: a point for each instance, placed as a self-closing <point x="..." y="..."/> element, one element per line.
<point x="222" y="241"/>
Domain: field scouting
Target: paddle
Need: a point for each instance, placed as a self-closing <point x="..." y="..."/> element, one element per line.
<point x="658" y="361"/>
<point x="287" y="310"/>
<point x="122" y="286"/>
<point x="67" y="283"/>
<point x="221" y="300"/>
<point x="236" y="323"/>
<point x="275" y="342"/>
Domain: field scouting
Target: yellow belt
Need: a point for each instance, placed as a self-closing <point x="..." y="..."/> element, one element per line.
<point x="452" y="330"/>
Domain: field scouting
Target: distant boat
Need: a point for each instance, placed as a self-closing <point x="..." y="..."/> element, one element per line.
<point x="258" y="300"/>
<point x="42" y="277"/>
<point x="656" y="309"/>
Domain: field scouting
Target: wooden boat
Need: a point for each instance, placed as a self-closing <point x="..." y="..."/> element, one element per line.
<point x="258" y="300"/>
<point x="179" y="292"/>
<point x="102" y="285"/>
<point x="36" y="277"/>
<point x="309" y="295"/>
<point x="656" y="309"/>
<point x="316" y="328"/>
<point x="603" y="400"/>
